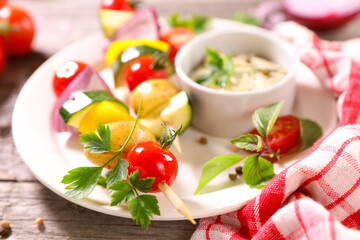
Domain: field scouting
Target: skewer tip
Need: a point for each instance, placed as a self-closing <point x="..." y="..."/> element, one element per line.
<point x="176" y="201"/>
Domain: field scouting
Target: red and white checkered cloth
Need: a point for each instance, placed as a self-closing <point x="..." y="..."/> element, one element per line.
<point x="318" y="197"/>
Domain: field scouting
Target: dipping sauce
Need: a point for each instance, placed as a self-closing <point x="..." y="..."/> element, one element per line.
<point x="248" y="72"/>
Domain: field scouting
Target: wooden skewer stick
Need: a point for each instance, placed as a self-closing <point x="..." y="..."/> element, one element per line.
<point x="176" y="201"/>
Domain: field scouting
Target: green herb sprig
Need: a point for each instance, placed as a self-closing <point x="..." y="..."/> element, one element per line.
<point x="246" y="18"/>
<point x="196" y="23"/>
<point x="221" y="67"/>
<point x="257" y="170"/>
<point x="81" y="181"/>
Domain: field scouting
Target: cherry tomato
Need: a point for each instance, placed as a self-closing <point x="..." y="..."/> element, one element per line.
<point x="284" y="134"/>
<point x="124" y="5"/>
<point x="152" y="161"/>
<point x="177" y="37"/>
<point x="140" y="70"/>
<point x="2" y="55"/>
<point x="17" y="29"/>
<point x="65" y="74"/>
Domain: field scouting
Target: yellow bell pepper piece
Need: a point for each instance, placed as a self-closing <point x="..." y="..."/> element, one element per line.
<point x="117" y="47"/>
<point x="104" y="112"/>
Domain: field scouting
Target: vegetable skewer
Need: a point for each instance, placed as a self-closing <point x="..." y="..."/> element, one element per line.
<point x="144" y="168"/>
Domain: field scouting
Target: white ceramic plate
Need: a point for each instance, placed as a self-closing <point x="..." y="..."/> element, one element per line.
<point x="49" y="155"/>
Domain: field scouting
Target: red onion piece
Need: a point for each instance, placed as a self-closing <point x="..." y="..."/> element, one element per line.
<point x="269" y="13"/>
<point x="144" y="24"/>
<point x="87" y="80"/>
<point x="322" y="14"/>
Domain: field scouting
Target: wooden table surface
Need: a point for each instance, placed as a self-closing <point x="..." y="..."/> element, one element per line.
<point x="22" y="197"/>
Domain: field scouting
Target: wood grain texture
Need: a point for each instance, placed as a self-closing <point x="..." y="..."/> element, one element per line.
<point x="22" y="198"/>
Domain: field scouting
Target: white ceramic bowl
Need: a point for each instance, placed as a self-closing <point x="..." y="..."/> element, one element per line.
<point x="228" y="114"/>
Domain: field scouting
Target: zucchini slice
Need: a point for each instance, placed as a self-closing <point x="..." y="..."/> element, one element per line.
<point x="86" y="109"/>
<point x="178" y="112"/>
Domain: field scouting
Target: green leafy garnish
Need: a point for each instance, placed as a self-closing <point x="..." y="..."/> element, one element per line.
<point x="196" y="23"/>
<point x="121" y="192"/>
<point x="246" y="18"/>
<point x="257" y="171"/>
<point x="249" y="142"/>
<point x="119" y="173"/>
<point x="143" y="185"/>
<point x="310" y="132"/>
<point x="168" y="136"/>
<point x="215" y="166"/>
<point x="221" y="67"/>
<point x="95" y="144"/>
<point x="102" y="181"/>
<point x="142" y="209"/>
<point x="82" y="181"/>
<point x="265" y="117"/>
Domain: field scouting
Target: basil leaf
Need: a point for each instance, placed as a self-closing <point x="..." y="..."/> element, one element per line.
<point x="249" y="142"/>
<point x="257" y="171"/>
<point x="265" y="117"/>
<point x="214" y="167"/>
<point x="119" y="173"/>
<point x="310" y="132"/>
<point x="142" y="208"/>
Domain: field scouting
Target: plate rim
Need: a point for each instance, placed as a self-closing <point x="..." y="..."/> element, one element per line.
<point x="87" y="203"/>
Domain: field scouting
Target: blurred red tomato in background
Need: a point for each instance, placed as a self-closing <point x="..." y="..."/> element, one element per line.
<point x="17" y="30"/>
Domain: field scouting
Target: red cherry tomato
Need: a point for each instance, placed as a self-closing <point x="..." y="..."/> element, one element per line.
<point x="65" y="74"/>
<point x="2" y="55"/>
<point x="176" y="37"/>
<point x="124" y="5"/>
<point x="284" y="134"/>
<point x="152" y="161"/>
<point x="140" y="70"/>
<point x="18" y="30"/>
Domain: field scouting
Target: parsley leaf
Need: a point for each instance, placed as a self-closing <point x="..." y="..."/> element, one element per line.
<point x="214" y="167"/>
<point x="221" y="67"/>
<point x="257" y="171"/>
<point x="249" y="142"/>
<point x="102" y="181"/>
<point x="119" y="173"/>
<point x="142" y="208"/>
<point x="82" y="181"/>
<point x="95" y="144"/>
<point x="196" y="23"/>
<point x="120" y="192"/>
<point x="143" y="185"/>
